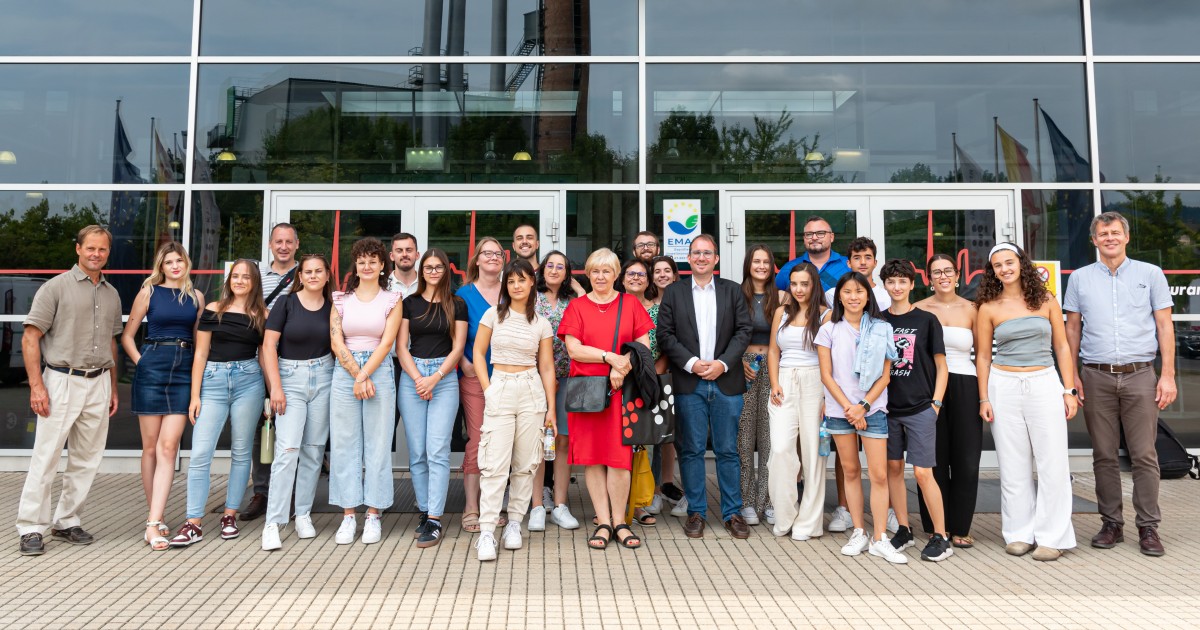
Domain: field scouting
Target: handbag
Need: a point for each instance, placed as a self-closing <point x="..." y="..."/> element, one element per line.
<point x="642" y="426"/>
<point x="641" y="485"/>
<point x="590" y="394"/>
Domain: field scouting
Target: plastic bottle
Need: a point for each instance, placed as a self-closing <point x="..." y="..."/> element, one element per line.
<point x="548" y="447"/>
<point x="823" y="450"/>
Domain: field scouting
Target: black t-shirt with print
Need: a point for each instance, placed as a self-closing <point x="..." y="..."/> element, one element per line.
<point x="918" y="336"/>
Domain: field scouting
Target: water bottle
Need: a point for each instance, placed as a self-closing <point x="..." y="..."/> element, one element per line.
<point x="823" y="450"/>
<point x="548" y="448"/>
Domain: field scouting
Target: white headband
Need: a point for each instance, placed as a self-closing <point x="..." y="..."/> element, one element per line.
<point x="1003" y="246"/>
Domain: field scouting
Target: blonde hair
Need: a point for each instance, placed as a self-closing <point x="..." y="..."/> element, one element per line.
<point x="157" y="276"/>
<point x="603" y="257"/>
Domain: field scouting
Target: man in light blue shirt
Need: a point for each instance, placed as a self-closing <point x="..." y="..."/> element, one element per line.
<point x="1118" y="318"/>
<point x="818" y="250"/>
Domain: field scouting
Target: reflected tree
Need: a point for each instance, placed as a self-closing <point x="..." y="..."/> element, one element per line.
<point x="35" y="238"/>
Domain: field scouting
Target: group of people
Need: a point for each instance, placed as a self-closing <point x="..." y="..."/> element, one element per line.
<point x="774" y="371"/>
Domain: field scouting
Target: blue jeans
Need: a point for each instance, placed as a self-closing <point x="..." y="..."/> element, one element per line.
<point x="361" y="433"/>
<point x="301" y="432"/>
<point x="428" y="425"/>
<point x="230" y="390"/>
<point x="698" y="412"/>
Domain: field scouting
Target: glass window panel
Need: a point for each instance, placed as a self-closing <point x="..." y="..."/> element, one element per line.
<point x="374" y="124"/>
<point x="1148" y="120"/>
<point x="864" y="27"/>
<point x="58" y="122"/>
<point x="1056" y="223"/>
<point x="316" y="229"/>
<point x="709" y="201"/>
<point x="1184" y="414"/>
<point x="226" y="225"/>
<point x="1164" y="230"/>
<point x="967" y="235"/>
<point x="782" y="231"/>
<point x="86" y="27"/>
<point x="1165" y="27"/>
<point x="600" y="219"/>
<point x="457" y="231"/>
<point x="397" y="27"/>
<point x="825" y="123"/>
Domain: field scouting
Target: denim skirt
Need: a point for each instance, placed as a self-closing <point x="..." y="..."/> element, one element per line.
<point x="162" y="382"/>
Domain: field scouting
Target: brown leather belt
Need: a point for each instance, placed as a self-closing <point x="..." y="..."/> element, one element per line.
<point x="1118" y="369"/>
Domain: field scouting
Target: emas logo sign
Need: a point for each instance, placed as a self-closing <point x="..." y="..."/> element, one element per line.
<point x="681" y="221"/>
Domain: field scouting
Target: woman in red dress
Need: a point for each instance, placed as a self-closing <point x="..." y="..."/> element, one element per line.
<point x="587" y="330"/>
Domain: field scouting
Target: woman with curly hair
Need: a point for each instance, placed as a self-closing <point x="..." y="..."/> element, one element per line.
<point x="1024" y="399"/>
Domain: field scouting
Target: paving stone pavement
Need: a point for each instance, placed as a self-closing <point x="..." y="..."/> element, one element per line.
<point x="555" y="581"/>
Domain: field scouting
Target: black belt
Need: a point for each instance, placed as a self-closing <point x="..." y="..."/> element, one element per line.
<point x="182" y="343"/>
<point x="74" y="372"/>
<point x="1119" y="369"/>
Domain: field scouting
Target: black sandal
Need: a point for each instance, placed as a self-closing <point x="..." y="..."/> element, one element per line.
<point x="597" y="537"/>
<point x="632" y="541"/>
<point x="644" y="518"/>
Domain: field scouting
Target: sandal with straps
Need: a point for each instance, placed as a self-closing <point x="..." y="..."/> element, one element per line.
<point x="470" y="522"/>
<point x="157" y="543"/>
<point x="963" y="542"/>
<point x="632" y="541"/>
<point x="596" y="537"/>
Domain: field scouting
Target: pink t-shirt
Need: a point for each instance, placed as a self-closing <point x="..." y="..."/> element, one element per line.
<point x="363" y="322"/>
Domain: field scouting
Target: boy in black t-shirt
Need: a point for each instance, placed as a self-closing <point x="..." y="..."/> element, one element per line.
<point x="915" y="392"/>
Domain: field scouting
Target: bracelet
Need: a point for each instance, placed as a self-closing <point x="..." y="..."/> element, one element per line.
<point x="984" y="400"/>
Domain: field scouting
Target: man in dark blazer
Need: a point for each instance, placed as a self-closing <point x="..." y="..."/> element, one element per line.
<point x="703" y="328"/>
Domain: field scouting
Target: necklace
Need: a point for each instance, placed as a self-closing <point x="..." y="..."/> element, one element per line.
<point x="759" y="297"/>
<point x="603" y="308"/>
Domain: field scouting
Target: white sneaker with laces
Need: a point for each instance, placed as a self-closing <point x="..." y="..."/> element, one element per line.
<point x="372" y="530"/>
<point x="655" y="506"/>
<point x="680" y="508"/>
<point x="512" y="535"/>
<point x="304" y="527"/>
<point x="769" y="513"/>
<point x="858" y="543"/>
<point x="841" y="520"/>
<point x="486" y="546"/>
<point x="346" y="531"/>
<point x="893" y="525"/>
<point x="750" y="515"/>
<point x="547" y="498"/>
<point x="563" y="518"/>
<point x="537" y="519"/>
<point x="270" y="537"/>
<point x="884" y="549"/>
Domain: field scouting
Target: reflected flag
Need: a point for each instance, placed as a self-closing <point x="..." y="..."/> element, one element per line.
<point x="1018" y="169"/>
<point x="968" y="169"/>
<point x="166" y="203"/>
<point x="1069" y="166"/>
<point x="125" y="203"/>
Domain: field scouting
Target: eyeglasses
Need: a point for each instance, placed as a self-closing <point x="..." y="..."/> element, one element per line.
<point x="702" y="253"/>
<point x="641" y="247"/>
<point x="818" y="235"/>
<point x="434" y="268"/>
<point x="491" y="255"/>
<point x="940" y="273"/>
<point x="639" y="275"/>
<point x="555" y="267"/>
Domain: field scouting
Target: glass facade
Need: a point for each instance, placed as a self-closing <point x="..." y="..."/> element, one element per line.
<point x="927" y="126"/>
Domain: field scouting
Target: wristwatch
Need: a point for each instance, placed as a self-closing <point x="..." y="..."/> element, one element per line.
<point x="604" y="356"/>
<point x="937" y="403"/>
<point x="865" y="405"/>
<point x="1071" y="392"/>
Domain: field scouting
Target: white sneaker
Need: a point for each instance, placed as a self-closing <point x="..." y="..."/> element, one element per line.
<point x="769" y="513"/>
<point x="486" y="546"/>
<point x="680" y="508"/>
<point x="800" y="537"/>
<point x="893" y="525"/>
<point x="547" y="498"/>
<point x="750" y="515"/>
<point x="884" y="549"/>
<point x="563" y="518"/>
<point x="512" y="535"/>
<point x="346" y="531"/>
<point x="655" y="506"/>
<point x="372" y="530"/>
<point x="858" y="543"/>
<point x="270" y="537"/>
<point x="841" y="520"/>
<point x="304" y="527"/>
<point x="537" y="519"/>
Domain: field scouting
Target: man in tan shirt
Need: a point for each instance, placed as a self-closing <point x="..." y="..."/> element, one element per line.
<point x="70" y="350"/>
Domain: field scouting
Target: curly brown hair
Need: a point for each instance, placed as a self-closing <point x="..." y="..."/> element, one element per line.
<point x="1032" y="288"/>
<point x="366" y="248"/>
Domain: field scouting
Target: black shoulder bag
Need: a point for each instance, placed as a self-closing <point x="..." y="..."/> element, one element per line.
<point x="283" y="284"/>
<point x="590" y="394"/>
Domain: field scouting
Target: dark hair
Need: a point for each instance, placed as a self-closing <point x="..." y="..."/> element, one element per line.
<point x="298" y="286"/>
<point x="565" y="290"/>
<point x="287" y="226"/>
<point x="444" y="293"/>
<point x="366" y="247"/>
<point x="651" y="291"/>
<point x="814" y="306"/>
<point x="772" y="299"/>
<point x="705" y="237"/>
<point x="936" y="257"/>
<point x="521" y="267"/>
<point x="816" y="217"/>
<point x="1032" y="288"/>
<point x="405" y="236"/>
<point x="256" y="306"/>
<point x="648" y="233"/>
<point x="896" y="268"/>
<point x="861" y="244"/>
<point x="872" y="307"/>
<point x="670" y="263"/>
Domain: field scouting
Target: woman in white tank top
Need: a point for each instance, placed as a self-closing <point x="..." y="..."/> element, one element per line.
<point x="795" y="410"/>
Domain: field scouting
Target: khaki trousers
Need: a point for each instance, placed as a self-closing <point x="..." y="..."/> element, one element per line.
<point x="510" y="444"/>
<point x="1116" y="403"/>
<point x="78" y="413"/>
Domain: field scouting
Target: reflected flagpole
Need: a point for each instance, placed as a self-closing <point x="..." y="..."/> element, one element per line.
<point x="996" y="144"/>
<point x="954" y="144"/>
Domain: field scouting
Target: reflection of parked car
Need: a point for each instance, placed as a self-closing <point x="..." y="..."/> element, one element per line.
<point x="16" y="296"/>
<point x="1187" y="340"/>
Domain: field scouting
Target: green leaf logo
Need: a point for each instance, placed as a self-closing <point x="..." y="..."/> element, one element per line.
<point x="691" y="222"/>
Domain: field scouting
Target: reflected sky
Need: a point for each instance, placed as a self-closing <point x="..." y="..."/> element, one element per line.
<point x="1162" y="27"/>
<point x="97" y="27"/>
<point x="1149" y="121"/>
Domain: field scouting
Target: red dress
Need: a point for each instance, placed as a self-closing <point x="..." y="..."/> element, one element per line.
<point x="595" y="438"/>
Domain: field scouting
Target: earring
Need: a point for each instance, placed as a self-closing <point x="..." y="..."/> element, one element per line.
<point x="955" y="285"/>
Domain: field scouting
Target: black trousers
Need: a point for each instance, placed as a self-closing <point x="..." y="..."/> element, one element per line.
<point x="959" y="443"/>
